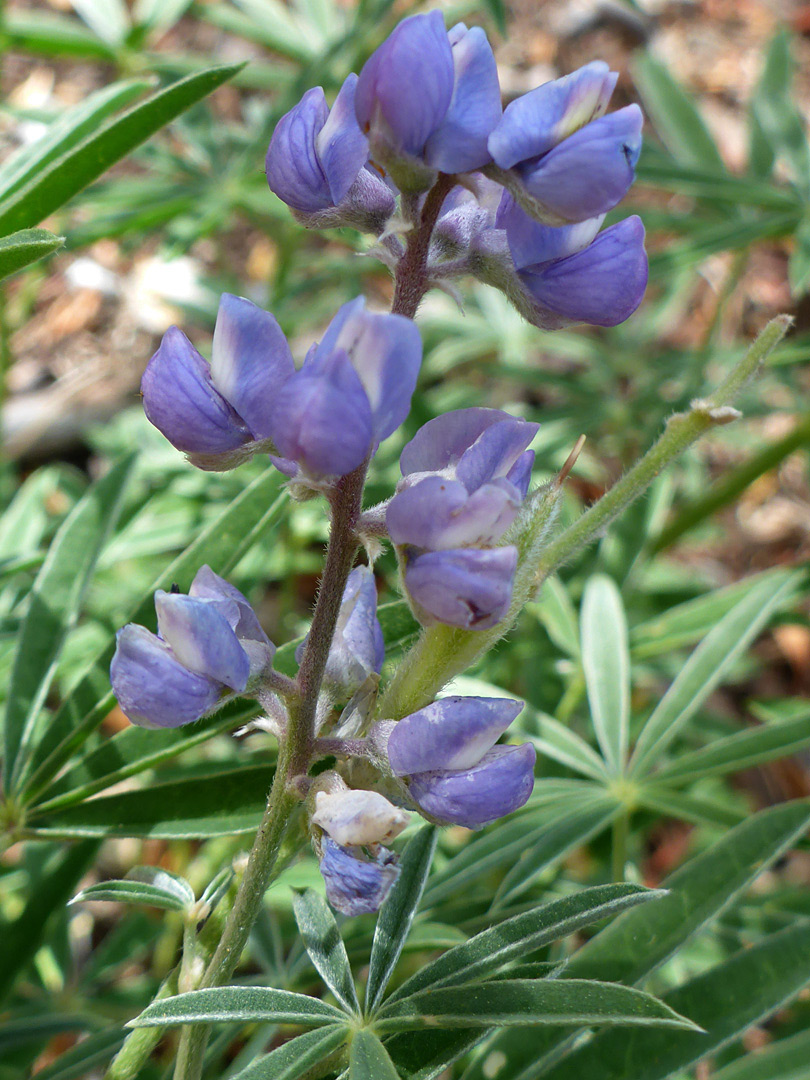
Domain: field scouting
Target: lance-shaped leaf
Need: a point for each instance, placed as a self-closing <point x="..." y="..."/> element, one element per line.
<point x="705" y="668"/>
<point x="67" y="174"/>
<point x="606" y="663"/>
<point x="323" y="942"/>
<point x="783" y="1060"/>
<point x="725" y="1001"/>
<point x="24" y="247"/>
<point x="639" y="941"/>
<point x="239" y="1004"/>
<point x="292" y="1060"/>
<point x="526" y="1002"/>
<point x="517" y="937"/>
<point x="143" y="885"/>
<point x="53" y="608"/>
<point x="396" y="914"/>
<point x="368" y="1058"/>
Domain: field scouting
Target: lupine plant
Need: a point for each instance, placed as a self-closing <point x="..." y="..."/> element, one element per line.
<point x="450" y="187"/>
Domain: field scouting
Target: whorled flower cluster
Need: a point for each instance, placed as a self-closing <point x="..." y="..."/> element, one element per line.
<point x="520" y="196"/>
<point x="535" y="180"/>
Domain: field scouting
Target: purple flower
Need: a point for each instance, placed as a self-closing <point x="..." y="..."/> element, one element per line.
<point x="357" y="648"/>
<point x="455" y="772"/>
<point x="208" y="644"/>
<point x="356" y="883"/>
<point x="353" y="390"/>
<point x="426" y="95"/>
<point x="438" y="514"/>
<point x="469" y="588"/>
<point x="213" y="410"/>
<point x="572" y="161"/>
<point x="316" y="163"/>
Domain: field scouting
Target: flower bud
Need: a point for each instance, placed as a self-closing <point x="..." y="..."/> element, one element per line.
<point x="316" y="164"/>
<point x="358" y="818"/>
<point x="468" y="588"/>
<point x="353" y="390"/>
<point x="356" y="883"/>
<point x="215" y="412"/>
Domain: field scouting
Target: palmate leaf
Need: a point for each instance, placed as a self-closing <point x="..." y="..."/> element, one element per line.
<point x="639" y="941"/>
<point x="519" y="936"/>
<point x="562" y="744"/>
<point x="323" y="942"/>
<point x="725" y="1001"/>
<point x="397" y="913"/>
<point x="53" y="608"/>
<point x="25" y="247"/>
<point x="239" y="1004"/>
<point x="705" y="668"/>
<point x="84" y="162"/>
<point x="606" y="664"/>
<point x="526" y="1003"/>
<point x="294" y="1058"/>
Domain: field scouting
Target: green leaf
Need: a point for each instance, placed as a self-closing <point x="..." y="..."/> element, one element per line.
<point x="257" y="509"/>
<point x="564" y="745"/>
<point x="49" y="892"/>
<point x="292" y="1060"/>
<point x="705" y="668"/>
<point x="217" y="887"/>
<point x="323" y="942"/>
<point x="776" y="114"/>
<point x="143" y="885"/>
<point x="782" y="1060"/>
<point x="674" y="115"/>
<point x="24" y="247"/>
<point x="606" y="663"/>
<point x="52" y="35"/>
<point x="639" y="941"/>
<point x="573" y="827"/>
<point x="558" y="615"/>
<point x="159" y="14"/>
<point x="522" y="1002"/>
<point x="740" y="751"/>
<point x="799" y="267"/>
<point x="239" y="1004"/>
<point x="73" y="125"/>
<point x="368" y="1058"/>
<point x="53" y="608"/>
<point x="521" y="935"/>
<point x="725" y="1002"/>
<point x="427" y="1054"/>
<point x="681" y="805"/>
<point x="107" y="18"/>
<point x="117" y="137"/>
<point x="222" y="803"/>
<point x="397" y="913"/>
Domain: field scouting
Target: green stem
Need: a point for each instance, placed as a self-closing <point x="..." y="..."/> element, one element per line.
<point x="618" y="849"/>
<point x="140" y="1042"/>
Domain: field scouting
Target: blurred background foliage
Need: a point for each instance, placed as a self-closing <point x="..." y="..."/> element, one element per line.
<point x="131" y="194"/>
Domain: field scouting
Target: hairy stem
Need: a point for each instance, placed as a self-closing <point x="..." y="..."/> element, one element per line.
<point x="139" y="1044"/>
<point x="411" y="279"/>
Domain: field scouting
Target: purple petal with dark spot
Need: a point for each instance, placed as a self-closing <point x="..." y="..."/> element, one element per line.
<point x="469" y="588"/>
<point x="180" y="399"/>
<point x="152" y="687"/>
<point x="602" y="285"/>
<point x="499" y="784"/>
<point x="592" y="170"/>
<point x="452" y="733"/>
